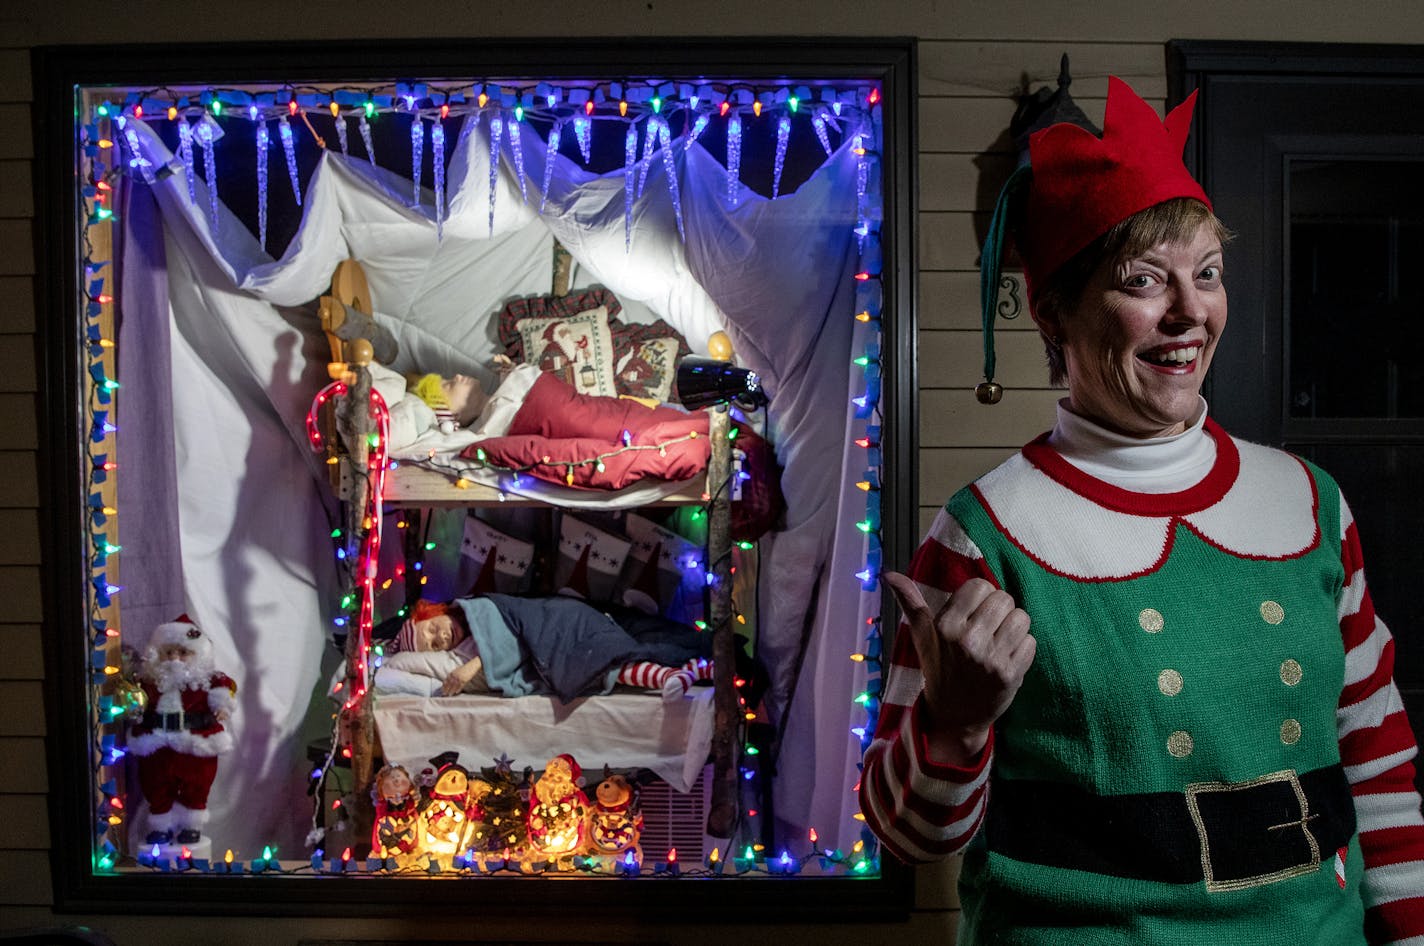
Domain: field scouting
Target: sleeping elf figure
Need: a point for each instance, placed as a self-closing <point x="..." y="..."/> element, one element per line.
<point x="182" y="731"/>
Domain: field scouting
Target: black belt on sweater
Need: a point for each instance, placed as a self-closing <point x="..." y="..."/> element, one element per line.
<point x="1231" y="835"/>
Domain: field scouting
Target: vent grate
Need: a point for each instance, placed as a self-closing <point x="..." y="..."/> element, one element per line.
<point x="672" y="819"/>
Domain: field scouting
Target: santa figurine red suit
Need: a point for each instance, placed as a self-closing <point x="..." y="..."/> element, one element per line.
<point x="181" y="734"/>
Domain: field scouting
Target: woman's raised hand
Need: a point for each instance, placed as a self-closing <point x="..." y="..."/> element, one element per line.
<point x="974" y="652"/>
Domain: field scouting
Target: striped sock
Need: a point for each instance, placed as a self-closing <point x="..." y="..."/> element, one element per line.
<point x="700" y="667"/>
<point x="673" y="681"/>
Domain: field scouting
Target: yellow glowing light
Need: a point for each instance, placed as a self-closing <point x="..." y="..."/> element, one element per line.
<point x="756" y="109"/>
<point x="335" y="110"/>
<point x="623" y="108"/>
<point x="859" y="816"/>
<point x="716" y="855"/>
<point x="172" y="112"/>
<point x="858" y="658"/>
<point x="228" y="856"/>
<point x="862" y="316"/>
<point x="483" y="100"/>
<point x="859" y="846"/>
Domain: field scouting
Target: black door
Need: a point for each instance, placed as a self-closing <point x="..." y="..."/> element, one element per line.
<point x="1314" y="156"/>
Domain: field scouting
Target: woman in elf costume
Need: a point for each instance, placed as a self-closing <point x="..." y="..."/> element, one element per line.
<point x="1140" y="683"/>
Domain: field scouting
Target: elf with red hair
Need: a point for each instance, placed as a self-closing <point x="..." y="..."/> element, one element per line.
<point x="446" y="626"/>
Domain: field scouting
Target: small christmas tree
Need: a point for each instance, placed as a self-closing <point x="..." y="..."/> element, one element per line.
<point x="500" y="825"/>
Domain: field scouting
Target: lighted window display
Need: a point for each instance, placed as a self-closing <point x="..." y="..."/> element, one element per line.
<point x="499" y="454"/>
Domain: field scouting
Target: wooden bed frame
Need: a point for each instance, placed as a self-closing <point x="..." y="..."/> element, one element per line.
<point x="347" y="430"/>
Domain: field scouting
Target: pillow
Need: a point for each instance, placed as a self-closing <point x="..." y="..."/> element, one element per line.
<point x="590" y="560"/>
<point x="566" y="460"/>
<point x="417" y="673"/>
<point x="493" y="561"/>
<point x="645" y="358"/>
<point x="664" y="574"/>
<point x="545" y="307"/>
<point x="647" y="368"/>
<point x="428" y="663"/>
<point x="577" y="349"/>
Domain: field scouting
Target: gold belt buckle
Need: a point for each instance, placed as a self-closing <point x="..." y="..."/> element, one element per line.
<point x="1194" y="793"/>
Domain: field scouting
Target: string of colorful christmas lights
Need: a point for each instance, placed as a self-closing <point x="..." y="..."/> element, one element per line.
<point x="506" y="109"/>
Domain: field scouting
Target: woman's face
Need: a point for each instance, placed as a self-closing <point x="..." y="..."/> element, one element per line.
<point x="437" y="633"/>
<point x="1140" y="341"/>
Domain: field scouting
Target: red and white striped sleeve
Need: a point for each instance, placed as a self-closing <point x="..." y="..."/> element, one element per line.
<point x="921" y="809"/>
<point x="1378" y="748"/>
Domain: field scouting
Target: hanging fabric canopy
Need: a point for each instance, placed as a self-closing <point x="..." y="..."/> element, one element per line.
<point x="228" y="513"/>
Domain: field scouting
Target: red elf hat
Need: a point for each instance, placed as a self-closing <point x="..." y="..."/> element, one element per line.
<point x="1084" y="185"/>
<point x="1075" y="185"/>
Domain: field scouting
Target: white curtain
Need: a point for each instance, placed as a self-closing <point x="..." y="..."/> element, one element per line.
<point x="247" y="357"/>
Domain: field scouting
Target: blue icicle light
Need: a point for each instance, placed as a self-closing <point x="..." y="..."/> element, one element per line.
<point x="549" y="155"/>
<point x="262" y="142"/>
<point x="205" y="138"/>
<point x="289" y="148"/>
<point x="496" y="134"/>
<point x="670" y="170"/>
<point x="630" y="160"/>
<point x="185" y="151"/>
<point x="365" y="127"/>
<point x="783" y="135"/>
<point x="734" y="158"/>
<point x="437" y="142"/>
<point x="417" y="152"/>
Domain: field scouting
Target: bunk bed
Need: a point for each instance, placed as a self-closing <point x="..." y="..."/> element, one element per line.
<point x="625" y="730"/>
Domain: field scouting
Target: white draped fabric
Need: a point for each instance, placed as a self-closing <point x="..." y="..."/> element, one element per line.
<point x="253" y="508"/>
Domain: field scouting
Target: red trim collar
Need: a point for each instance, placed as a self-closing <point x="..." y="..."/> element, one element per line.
<point x="1203" y="495"/>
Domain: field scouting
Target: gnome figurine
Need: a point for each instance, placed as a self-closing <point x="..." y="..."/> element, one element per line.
<point x="182" y="731"/>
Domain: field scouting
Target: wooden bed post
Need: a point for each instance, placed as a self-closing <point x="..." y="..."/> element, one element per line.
<point x="353" y="421"/>
<point x="723" y="814"/>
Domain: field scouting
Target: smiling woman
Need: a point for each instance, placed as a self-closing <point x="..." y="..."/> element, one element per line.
<point x="1139" y="676"/>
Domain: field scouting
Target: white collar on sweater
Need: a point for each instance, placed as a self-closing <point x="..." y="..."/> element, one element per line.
<point x="1247" y="500"/>
<point x="1159" y="465"/>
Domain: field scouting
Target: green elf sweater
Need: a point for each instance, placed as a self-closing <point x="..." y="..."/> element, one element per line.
<point x="1170" y="771"/>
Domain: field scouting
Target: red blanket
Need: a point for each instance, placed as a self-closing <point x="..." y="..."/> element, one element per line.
<point x="558" y="431"/>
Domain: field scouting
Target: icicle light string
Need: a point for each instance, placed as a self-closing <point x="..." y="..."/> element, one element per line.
<point x="540" y="103"/>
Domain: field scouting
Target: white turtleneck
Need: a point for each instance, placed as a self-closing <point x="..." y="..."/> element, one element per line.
<point x="1156" y="465"/>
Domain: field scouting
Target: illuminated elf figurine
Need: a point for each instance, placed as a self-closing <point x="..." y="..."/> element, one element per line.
<point x="450" y="809"/>
<point x="181" y="734"/>
<point x="558" y="814"/>
<point x="616" y="824"/>
<point x="393" y="834"/>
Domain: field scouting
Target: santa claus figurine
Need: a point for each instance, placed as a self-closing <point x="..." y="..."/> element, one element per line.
<point x="181" y="734"/>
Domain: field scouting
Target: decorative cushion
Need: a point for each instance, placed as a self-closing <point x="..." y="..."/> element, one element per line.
<point x="549" y="307"/>
<point x="577" y="349"/>
<point x="638" y="369"/>
<point x="647" y="368"/>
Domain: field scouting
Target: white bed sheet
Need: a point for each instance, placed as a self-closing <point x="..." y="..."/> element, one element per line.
<point x="622" y="730"/>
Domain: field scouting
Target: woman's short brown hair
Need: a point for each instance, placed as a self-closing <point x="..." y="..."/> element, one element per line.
<point x="1172" y="221"/>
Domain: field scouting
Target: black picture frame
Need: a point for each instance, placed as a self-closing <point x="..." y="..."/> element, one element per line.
<point x="57" y="72"/>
